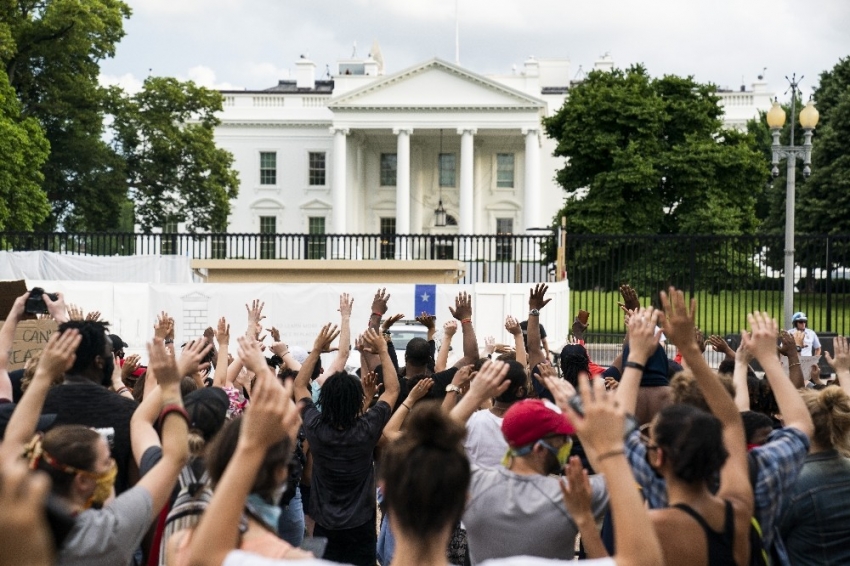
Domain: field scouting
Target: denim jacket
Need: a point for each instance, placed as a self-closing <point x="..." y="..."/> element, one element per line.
<point x="815" y="521"/>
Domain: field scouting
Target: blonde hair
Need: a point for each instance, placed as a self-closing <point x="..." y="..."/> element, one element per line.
<point x="830" y="410"/>
<point x="29" y="373"/>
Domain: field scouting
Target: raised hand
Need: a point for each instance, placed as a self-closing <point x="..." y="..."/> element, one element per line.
<point x="24" y="532"/>
<point x="427" y="320"/>
<point x="450" y="328"/>
<point x="561" y="389"/>
<point x="164" y="326"/>
<point x="59" y="354"/>
<point x="209" y="334"/>
<point x="463" y="307"/>
<point x="275" y="334"/>
<point x="841" y="362"/>
<point x="720" y="345"/>
<point x="601" y="428"/>
<point x="490" y="381"/>
<point x="255" y="311"/>
<point x="251" y="355"/>
<point x="787" y="344"/>
<point x="370" y="384"/>
<point x="762" y="341"/>
<point x="272" y="416"/>
<point x="375" y="340"/>
<point x="489" y="345"/>
<point x="326" y="335"/>
<point x="630" y="298"/>
<point x="74" y="312"/>
<point x="93" y="316"/>
<point x="222" y="332"/>
<point x="162" y="364"/>
<point x="679" y="325"/>
<point x="131" y="364"/>
<point x="379" y="302"/>
<point x="191" y="356"/>
<point x="512" y="326"/>
<point x="388" y="323"/>
<point x="462" y="376"/>
<point x="537" y="300"/>
<point x="743" y="354"/>
<point x="57" y="308"/>
<point x="420" y="390"/>
<point x="643" y="337"/>
<point x="346" y="303"/>
<point x="578" y="327"/>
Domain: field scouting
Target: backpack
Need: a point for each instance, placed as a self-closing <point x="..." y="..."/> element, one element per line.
<point x="193" y="497"/>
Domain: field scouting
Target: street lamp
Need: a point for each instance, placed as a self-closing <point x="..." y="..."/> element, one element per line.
<point x="808" y="120"/>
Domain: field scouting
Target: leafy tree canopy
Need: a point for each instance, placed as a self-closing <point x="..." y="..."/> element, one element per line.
<point x="174" y="170"/>
<point x="650" y="156"/>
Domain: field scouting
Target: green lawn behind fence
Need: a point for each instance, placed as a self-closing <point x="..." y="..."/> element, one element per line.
<point x="721" y="313"/>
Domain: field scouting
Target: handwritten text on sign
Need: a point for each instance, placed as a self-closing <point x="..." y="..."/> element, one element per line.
<point x="31" y="337"/>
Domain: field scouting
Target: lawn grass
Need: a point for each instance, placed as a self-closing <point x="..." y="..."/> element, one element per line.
<point x="721" y="313"/>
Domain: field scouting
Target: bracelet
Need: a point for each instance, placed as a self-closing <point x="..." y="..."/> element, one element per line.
<point x="379" y="315"/>
<point x="123" y="390"/>
<point x="794" y="364"/>
<point x="635" y="365"/>
<point x="610" y="454"/>
<point x="172" y="408"/>
<point x="405" y="406"/>
<point x="169" y="341"/>
<point x="465" y="320"/>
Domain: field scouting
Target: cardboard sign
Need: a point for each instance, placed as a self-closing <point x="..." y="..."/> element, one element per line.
<point x="31" y="337"/>
<point x="9" y="291"/>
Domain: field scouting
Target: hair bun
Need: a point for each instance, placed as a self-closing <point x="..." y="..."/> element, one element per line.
<point x="429" y="426"/>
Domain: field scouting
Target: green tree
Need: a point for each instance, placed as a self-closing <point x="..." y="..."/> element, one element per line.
<point x="52" y="56"/>
<point x="175" y="172"/>
<point x="23" y="149"/>
<point x="650" y="156"/>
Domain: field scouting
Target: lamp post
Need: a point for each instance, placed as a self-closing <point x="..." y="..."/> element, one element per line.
<point x="775" y="120"/>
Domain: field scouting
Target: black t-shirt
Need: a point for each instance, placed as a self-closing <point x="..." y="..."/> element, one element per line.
<point x="524" y="327"/>
<point x="92" y="405"/>
<point x="342" y="489"/>
<point x="438" y="390"/>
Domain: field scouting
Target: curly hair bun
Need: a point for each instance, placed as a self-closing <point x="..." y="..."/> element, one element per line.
<point x="427" y="426"/>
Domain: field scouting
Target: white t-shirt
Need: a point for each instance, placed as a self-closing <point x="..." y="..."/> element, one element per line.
<point x="534" y="561"/>
<point x="485" y="445"/>
<point x="241" y="558"/>
<point x="810" y="341"/>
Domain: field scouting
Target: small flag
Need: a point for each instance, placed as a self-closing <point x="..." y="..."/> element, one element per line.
<point x="425" y="300"/>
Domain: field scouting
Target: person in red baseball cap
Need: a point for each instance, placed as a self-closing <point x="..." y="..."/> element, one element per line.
<point x="518" y="509"/>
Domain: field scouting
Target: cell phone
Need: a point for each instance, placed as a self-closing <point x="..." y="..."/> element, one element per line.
<point x="578" y="406"/>
<point x="316" y="545"/>
<point x="583" y="316"/>
<point x="35" y="302"/>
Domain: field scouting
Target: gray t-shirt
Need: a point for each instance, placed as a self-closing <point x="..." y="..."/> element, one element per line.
<point x="485" y="444"/>
<point x="109" y="536"/>
<point x="511" y="514"/>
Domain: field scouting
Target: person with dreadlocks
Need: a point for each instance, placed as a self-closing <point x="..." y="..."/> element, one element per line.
<point x="342" y="439"/>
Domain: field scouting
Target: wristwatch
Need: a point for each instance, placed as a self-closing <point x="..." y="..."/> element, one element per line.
<point x="454" y="388"/>
<point x="534" y="312"/>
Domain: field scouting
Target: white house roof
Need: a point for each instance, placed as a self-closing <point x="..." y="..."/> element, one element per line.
<point x="435" y="85"/>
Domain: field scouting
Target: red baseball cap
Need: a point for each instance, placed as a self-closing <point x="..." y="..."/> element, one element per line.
<point x="530" y="420"/>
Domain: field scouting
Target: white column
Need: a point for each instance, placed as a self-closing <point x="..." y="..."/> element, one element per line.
<point x="338" y="188"/>
<point x="402" y="186"/>
<point x="531" y="202"/>
<point x="466" y="224"/>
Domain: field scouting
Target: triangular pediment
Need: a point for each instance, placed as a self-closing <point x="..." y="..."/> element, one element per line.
<point x="435" y="84"/>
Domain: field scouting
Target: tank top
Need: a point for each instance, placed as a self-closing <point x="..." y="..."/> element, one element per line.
<point x="721" y="545"/>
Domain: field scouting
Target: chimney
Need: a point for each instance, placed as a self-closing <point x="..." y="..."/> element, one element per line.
<point x="305" y="73"/>
<point x="532" y="67"/>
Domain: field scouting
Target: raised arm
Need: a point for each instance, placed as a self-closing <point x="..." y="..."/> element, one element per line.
<point x="762" y="343"/>
<point x="739" y="376"/>
<point x="600" y="432"/>
<point x="346" y="303"/>
<point x="271" y="418"/>
<point x="463" y="313"/>
<point x="222" y="336"/>
<point x="391" y="385"/>
<point x="788" y="348"/>
<point x="643" y="342"/>
<point x="301" y="388"/>
<point x="392" y="430"/>
<point x="7" y="337"/>
<point x="841" y="362"/>
<point x="429" y="322"/>
<point x="255" y="318"/>
<point x="679" y="328"/>
<point x="160" y="480"/>
<point x="489" y="382"/>
<point x="536" y="302"/>
<point x="449" y="329"/>
<point x="513" y="327"/>
<point x="56" y="358"/>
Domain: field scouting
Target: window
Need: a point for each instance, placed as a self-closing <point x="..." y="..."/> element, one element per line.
<point x="505" y="244"/>
<point x="268" y="229"/>
<point x="316" y="244"/>
<point x="389" y="168"/>
<point x="317" y="168"/>
<point x="268" y="168"/>
<point x="387" y="238"/>
<point x="505" y="170"/>
<point x="448" y="169"/>
<point x="168" y="243"/>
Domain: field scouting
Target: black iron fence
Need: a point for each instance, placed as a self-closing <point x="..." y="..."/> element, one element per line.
<point x="729" y="275"/>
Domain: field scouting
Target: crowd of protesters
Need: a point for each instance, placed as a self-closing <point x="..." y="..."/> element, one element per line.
<point x="244" y="450"/>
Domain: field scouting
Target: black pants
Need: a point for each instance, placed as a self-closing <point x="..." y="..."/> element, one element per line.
<point x="352" y="546"/>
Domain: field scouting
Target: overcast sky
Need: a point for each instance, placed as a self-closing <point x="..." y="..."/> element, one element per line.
<point x="253" y="43"/>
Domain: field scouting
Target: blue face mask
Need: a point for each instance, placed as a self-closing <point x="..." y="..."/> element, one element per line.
<point x="266" y="512"/>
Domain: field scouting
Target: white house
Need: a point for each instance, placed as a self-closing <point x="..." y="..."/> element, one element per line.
<point x="366" y="152"/>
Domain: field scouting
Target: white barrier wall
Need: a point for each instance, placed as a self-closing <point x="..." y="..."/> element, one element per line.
<point x="297" y="310"/>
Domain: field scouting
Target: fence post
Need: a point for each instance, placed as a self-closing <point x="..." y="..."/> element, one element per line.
<point x="828" y="288"/>
<point x="693" y="266"/>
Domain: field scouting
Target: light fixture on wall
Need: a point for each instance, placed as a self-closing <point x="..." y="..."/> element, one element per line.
<point x="440" y="213"/>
